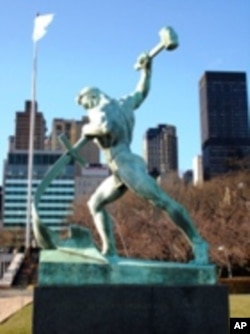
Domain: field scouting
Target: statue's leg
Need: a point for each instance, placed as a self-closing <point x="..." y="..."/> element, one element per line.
<point x="109" y="190"/>
<point x="146" y="187"/>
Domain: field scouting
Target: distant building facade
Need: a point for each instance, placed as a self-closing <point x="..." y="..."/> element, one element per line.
<point x="188" y="176"/>
<point x="22" y="129"/>
<point x="55" y="204"/>
<point x="224" y="119"/>
<point x="72" y="129"/>
<point x="161" y="149"/>
<point x="91" y="177"/>
<point x="1" y="205"/>
<point x="197" y="170"/>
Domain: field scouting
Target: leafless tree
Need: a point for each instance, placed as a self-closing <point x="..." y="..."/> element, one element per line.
<point x="220" y="209"/>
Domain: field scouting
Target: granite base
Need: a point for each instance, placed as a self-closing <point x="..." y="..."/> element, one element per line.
<point x="123" y="309"/>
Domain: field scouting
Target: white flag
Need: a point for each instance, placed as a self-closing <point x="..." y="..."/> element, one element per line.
<point x="41" y="23"/>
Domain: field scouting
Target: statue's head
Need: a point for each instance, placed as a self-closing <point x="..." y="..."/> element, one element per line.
<point x="89" y="97"/>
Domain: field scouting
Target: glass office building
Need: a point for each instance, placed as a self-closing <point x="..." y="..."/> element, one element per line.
<point x="56" y="203"/>
<point x="224" y="120"/>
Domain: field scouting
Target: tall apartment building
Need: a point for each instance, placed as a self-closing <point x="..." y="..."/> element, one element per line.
<point x="56" y="203"/>
<point x="224" y="120"/>
<point x="72" y="129"/>
<point x="160" y="149"/>
<point x="22" y="128"/>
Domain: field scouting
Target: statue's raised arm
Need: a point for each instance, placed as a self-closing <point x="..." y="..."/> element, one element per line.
<point x="168" y="41"/>
<point x="144" y="63"/>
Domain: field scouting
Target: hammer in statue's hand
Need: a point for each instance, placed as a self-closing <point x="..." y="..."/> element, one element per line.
<point x="168" y="41"/>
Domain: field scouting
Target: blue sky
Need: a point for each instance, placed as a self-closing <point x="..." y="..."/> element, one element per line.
<point x="97" y="43"/>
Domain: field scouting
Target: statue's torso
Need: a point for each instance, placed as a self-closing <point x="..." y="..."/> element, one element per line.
<point x="118" y="116"/>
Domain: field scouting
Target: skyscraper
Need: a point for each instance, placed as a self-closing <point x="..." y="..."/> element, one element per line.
<point x="22" y="130"/>
<point x="56" y="204"/>
<point x="72" y="129"/>
<point x="160" y="149"/>
<point x="224" y="120"/>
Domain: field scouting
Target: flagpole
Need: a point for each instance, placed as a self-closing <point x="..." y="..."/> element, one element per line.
<point x="40" y="28"/>
<point x="31" y="144"/>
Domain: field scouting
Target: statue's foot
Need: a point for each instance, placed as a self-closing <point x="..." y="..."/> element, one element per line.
<point x="200" y="250"/>
<point x="111" y="256"/>
<point x="109" y="251"/>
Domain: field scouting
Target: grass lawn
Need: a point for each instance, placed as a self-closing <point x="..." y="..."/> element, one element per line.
<point x="20" y="323"/>
<point x="239" y="306"/>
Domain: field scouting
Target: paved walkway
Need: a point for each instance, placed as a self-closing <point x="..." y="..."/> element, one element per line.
<point x="12" y="300"/>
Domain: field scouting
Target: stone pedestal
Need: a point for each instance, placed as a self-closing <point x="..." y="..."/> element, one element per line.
<point x="64" y="268"/>
<point x="123" y="309"/>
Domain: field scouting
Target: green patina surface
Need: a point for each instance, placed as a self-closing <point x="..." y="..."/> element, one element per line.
<point x="79" y="262"/>
<point x="87" y="266"/>
<point x="111" y="125"/>
<point x="76" y="260"/>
